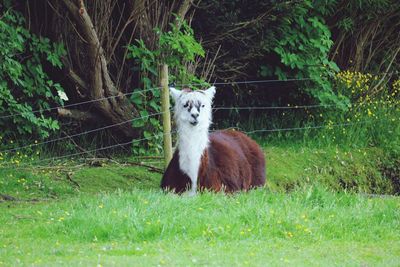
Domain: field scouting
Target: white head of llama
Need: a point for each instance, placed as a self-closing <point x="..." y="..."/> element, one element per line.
<point x="193" y="108"/>
<point x="193" y="115"/>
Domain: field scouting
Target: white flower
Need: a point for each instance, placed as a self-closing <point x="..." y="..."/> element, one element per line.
<point x="62" y="95"/>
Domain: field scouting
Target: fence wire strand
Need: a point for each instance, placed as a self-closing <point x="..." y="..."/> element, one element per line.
<point x="147" y="90"/>
<point x="80" y="134"/>
<point x="276" y="107"/>
<point x="79" y="103"/>
<point x="305" y="128"/>
<point x="250" y="82"/>
<point x="92" y="151"/>
<point x="152" y="89"/>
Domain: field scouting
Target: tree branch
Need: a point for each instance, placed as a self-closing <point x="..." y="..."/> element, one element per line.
<point x="387" y="70"/>
<point x="76" y="114"/>
<point x="183" y="9"/>
<point x="78" y="80"/>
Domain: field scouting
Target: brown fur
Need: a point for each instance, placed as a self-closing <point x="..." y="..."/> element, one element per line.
<point x="231" y="162"/>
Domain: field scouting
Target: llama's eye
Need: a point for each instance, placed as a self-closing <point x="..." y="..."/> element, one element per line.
<point x="202" y="106"/>
<point x="185" y="106"/>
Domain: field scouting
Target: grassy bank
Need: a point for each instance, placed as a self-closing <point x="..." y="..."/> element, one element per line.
<point x="368" y="170"/>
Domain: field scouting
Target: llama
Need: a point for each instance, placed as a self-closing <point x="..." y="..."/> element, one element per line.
<point x="223" y="160"/>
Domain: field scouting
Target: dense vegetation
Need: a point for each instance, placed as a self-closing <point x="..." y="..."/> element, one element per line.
<point x="69" y="67"/>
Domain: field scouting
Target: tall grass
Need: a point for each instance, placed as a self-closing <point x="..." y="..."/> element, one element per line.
<point x="309" y="215"/>
<point x="254" y="228"/>
<point x="362" y="125"/>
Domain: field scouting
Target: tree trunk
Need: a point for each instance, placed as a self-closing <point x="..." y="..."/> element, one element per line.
<point x="116" y="108"/>
<point x="96" y="34"/>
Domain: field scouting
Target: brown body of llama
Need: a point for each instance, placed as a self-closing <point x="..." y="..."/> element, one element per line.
<point x="231" y="162"/>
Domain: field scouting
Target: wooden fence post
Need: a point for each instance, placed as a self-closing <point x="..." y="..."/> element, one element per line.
<point x="166" y="115"/>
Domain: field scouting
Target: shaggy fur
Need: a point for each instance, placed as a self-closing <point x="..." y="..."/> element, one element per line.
<point x="224" y="160"/>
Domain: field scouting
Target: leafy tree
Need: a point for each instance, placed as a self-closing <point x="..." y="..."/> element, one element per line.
<point x="97" y="35"/>
<point x="303" y="44"/>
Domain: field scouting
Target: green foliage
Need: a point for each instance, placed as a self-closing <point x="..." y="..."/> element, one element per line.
<point x="176" y="47"/>
<point x="24" y="84"/>
<point x="147" y="101"/>
<point x="303" y="46"/>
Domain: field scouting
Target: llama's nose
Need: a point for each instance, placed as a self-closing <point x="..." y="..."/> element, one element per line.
<point x="195" y="116"/>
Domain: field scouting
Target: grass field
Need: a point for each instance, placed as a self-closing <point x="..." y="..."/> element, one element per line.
<point x="308" y="227"/>
<point x="116" y="216"/>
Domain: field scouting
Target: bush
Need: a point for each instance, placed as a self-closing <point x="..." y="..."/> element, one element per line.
<point x="25" y="88"/>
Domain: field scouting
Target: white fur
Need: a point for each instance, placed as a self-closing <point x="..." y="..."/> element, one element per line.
<point x="192" y="139"/>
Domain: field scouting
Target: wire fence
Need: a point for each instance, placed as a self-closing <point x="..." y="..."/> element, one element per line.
<point x="35" y="144"/>
<point x="153" y="89"/>
<point x="102" y="128"/>
<point x="305" y="128"/>
<point x="81" y="133"/>
<point x="143" y="91"/>
<point x="276" y="107"/>
<point x="93" y="151"/>
<point x="255" y="81"/>
<point x="78" y="103"/>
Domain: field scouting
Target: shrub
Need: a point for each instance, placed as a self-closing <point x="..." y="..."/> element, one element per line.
<point x="25" y="87"/>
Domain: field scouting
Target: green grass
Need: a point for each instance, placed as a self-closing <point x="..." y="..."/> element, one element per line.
<point x="116" y="215"/>
<point x="306" y="227"/>
<point x="61" y="181"/>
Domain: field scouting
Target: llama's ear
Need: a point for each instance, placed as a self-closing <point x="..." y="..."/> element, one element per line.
<point x="210" y="92"/>
<point x="175" y="93"/>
